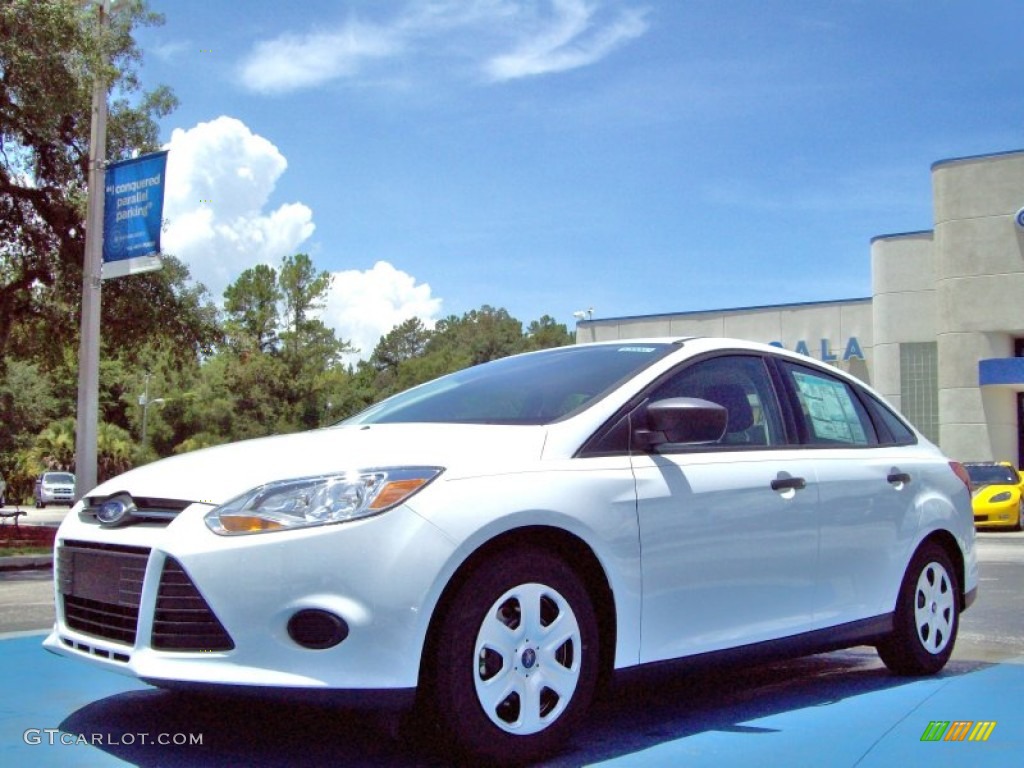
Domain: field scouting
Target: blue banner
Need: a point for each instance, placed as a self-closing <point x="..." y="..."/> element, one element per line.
<point x="133" y="211"/>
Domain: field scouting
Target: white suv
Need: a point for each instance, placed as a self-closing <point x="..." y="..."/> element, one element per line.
<point x="54" y="488"/>
<point x="490" y="543"/>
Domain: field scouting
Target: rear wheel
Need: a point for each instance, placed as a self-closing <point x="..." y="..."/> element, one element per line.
<point x="515" y="662"/>
<point x="927" y="615"/>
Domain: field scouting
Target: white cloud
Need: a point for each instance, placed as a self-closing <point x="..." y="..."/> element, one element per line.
<point x="364" y="305"/>
<point x="503" y="39"/>
<point x="568" y="39"/>
<point x="292" y="61"/>
<point x="220" y="176"/>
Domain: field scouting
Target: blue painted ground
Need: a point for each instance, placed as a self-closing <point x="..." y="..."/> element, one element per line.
<point x="840" y="709"/>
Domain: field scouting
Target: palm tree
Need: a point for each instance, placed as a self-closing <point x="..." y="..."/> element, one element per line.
<point x="54" y="447"/>
<point x="114" y="448"/>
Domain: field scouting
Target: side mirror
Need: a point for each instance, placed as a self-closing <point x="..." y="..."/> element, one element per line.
<point x="686" y="420"/>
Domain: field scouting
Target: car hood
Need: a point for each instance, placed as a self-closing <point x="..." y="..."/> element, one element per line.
<point x="215" y="475"/>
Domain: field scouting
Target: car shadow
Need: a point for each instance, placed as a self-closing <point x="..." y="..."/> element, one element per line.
<point x="632" y="716"/>
<point x="644" y="713"/>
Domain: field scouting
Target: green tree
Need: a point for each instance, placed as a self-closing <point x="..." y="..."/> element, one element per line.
<point x="304" y="292"/>
<point x="50" y="53"/>
<point x="53" y="448"/>
<point x="250" y="304"/>
<point x="479" y="336"/>
<point x="546" y="333"/>
<point x="310" y="350"/>
<point x="393" y="366"/>
<point x="115" y="451"/>
<point x="27" y="404"/>
<point x="405" y="341"/>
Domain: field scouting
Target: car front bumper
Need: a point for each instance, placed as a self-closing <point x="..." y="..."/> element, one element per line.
<point x="179" y="605"/>
<point x="57" y="496"/>
<point x="1005" y="516"/>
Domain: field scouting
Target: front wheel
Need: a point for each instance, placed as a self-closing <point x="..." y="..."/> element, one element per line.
<point x="927" y="615"/>
<point x="515" y="663"/>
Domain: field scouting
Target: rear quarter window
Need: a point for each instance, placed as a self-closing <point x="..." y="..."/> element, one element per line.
<point x="892" y="430"/>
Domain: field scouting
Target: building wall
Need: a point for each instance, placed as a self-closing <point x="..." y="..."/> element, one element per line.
<point x="821" y="329"/>
<point x="903" y="304"/>
<point x="979" y="255"/>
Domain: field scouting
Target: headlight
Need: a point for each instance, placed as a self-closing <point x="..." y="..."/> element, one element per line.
<point x="308" y="501"/>
<point x="1004" y="496"/>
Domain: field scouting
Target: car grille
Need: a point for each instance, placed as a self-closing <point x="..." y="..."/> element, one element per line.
<point x="101" y="588"/>
<point x="101" y="585"/>
<point x="184" y="620"/>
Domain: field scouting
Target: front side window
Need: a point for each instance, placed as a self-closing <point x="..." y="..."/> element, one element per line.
<point x="832" y="413"/>
<point x="739" y="383"/>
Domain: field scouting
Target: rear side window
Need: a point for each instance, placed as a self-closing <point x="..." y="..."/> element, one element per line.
<point x="832" y="413"/>
<point x="892" y="429"/>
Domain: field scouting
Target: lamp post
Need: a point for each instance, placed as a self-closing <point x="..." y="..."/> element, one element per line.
<point x="581" y="315"/>
<point x="145" y="402"/>
<point x="89" y="343"/>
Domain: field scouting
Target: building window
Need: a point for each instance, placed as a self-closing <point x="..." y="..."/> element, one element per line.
<point x="919" y="386"/>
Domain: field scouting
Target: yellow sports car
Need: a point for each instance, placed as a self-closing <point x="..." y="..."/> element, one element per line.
<point x="996" y="495"/>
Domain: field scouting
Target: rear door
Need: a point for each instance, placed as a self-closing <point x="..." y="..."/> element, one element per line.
<point x="867" y="484"/>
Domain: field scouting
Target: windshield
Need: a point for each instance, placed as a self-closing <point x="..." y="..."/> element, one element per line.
<point x="535" y="388"/>
<point x="991" y="474"/>
<point x="58" y="477"/>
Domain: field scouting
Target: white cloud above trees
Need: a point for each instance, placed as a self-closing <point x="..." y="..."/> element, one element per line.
<point x="219" y="221"/>
<point x="363" y="305"/>
<point x="220" y="177"/>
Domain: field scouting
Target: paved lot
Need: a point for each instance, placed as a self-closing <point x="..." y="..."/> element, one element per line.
<point x="840" y="709"/>
<point x="51" y="515"/>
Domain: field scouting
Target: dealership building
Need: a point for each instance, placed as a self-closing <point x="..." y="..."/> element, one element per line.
<point x="942" y="336"/>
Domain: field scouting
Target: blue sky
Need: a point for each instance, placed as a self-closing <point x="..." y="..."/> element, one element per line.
<point x="548" y="156"/>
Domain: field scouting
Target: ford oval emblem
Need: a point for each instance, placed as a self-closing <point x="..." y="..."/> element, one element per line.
<point x="1019" y="219"/>
<point x="114" y="511"/>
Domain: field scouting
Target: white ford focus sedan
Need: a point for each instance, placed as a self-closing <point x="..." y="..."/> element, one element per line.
<point x="494" y="542"/>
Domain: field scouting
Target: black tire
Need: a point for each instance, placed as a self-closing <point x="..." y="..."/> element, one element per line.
<point x="927" y="615"/>
<point x="1020" y="518"/>
<point x="496" y="692"/>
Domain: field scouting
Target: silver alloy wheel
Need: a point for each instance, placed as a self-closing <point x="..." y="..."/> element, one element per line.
<point x="934" y="607"/>
<point x="527" y="660"/>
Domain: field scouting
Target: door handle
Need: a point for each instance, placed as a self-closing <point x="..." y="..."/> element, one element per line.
<point x="898" y="477"/>
<point x="785" y="483"/>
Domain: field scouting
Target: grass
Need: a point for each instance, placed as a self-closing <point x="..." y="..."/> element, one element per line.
<point x="12" y="551"/>
<point x="26" y="539"/>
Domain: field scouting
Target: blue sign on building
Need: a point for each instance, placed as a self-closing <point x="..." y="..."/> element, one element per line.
<point x="133" y="212"/>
